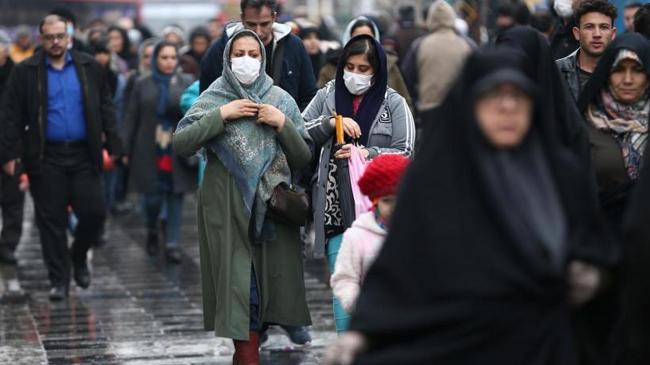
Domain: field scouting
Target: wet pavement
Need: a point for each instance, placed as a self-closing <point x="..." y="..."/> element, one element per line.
<point x="138" y="309"/>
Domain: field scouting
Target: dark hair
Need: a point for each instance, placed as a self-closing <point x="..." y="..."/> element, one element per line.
<point x="522" y="13"/>
<point x="632" y="4"/>
<point x="198" y="32"/>
<point x="126" y="42"/>
<point x="542" y="21"/>
<point x="594" y="6"/>
<point x="362" y="46"/>
<point x="49" y="19"/>
<point x="101" y="46"/>
<point x="363" y="23"/>
<point x="162" y="44"/>
<point x="258" y="4"/>
<point x="505" y="9"/>
<point x="64" y="13"/>
<point x="243" y="35"/>
<point x="642" y="21"/>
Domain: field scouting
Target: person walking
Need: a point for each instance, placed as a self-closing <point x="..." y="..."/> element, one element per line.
<point x="155" y="169"/>
<point x="594" y="31"/>
<point x="287" y="61"/>
<point x="255" y="140"/>
<point x="59" y="105"/>
<point x="12" y="191"/>
<point x="374" y="114"/>
<point x="494" y="239"/>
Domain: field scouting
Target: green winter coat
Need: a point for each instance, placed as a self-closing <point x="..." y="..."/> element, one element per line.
<point x="226" y="250"/>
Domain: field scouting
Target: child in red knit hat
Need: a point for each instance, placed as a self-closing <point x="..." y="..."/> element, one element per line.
<point x="363" y="240"/>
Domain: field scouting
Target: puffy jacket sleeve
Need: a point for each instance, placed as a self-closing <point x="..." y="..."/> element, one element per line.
<point x="317" y="119"/>
<point x="348" y="272"/>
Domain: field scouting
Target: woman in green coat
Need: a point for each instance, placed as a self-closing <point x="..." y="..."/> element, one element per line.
<point x="251" y="265"/>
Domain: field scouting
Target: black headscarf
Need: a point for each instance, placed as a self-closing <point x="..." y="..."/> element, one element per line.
<point x="600" y="78"/>
<point x="455" y="283"/>
<point x="567" y="121"/>
<point x="372" y="99"/>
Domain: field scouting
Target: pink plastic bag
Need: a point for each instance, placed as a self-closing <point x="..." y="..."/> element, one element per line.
<point x="357" y="165"/>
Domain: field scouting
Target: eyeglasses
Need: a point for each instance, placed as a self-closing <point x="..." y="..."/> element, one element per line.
<point x="53" y="37"/>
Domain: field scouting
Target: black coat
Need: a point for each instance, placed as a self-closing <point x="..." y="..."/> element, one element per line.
<point x="453" y="284"/>
<point x="635" y="335"/>
<point x="5" y="145"/>
<point x="24" y="105"/>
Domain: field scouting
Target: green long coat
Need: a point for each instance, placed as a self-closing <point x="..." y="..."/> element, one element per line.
<point x="226" y="250"/>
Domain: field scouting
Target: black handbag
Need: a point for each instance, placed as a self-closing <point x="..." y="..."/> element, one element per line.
<point x="289" y="206"/>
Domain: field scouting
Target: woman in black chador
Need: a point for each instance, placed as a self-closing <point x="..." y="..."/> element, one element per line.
<point x="495" y="235"/>
<point x="567" y="122"/>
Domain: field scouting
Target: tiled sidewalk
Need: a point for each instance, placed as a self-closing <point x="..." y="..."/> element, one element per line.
<point x="138" y="310"/>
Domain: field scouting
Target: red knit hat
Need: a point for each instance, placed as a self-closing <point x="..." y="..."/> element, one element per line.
<point x="382" y="176"/>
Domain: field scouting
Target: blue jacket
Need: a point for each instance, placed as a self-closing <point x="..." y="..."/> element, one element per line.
<point x="297" y="74"/>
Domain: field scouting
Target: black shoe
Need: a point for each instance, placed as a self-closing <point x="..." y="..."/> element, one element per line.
<point x="173" y="255"/>
<point x="82" y="275"/>
<point x="152" y="244"/>
<point x="7" y="256"/>
<point x="297" y="334"/>
<point x="58" y="293"/>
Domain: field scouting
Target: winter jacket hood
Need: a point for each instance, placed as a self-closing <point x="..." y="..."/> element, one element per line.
<point x="280" y="30"/>
<point x="367" y="223"/>
<point x="440" y="16"/>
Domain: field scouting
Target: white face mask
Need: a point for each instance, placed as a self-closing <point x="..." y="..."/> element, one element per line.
<point x="357" y="84"/>
<point x="246" y="69"/>
<point x="563" y="8"/>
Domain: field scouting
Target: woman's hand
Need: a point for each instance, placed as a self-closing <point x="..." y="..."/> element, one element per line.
<point x="238" y="109"/>
<point x="584" y="282"/>
<point x="346" y="152"/>
<point x="268" y="114"/>
<point x="350" y="127"/>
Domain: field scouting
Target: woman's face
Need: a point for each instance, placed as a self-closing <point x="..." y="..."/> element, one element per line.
<point x="167" y="60"/>
<point x="364" y="29"/>
<point x="115" y="41"/>
<point x="246" y="46"/>
<point x="628" y="81"/>
<point x="504" y="115"/>
<point x="359" y="64"/>
<point x="146" y="57"/>
<point x="311" y="43"/>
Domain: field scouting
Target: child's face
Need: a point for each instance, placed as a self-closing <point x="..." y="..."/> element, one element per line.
<point x="385" y="205"/>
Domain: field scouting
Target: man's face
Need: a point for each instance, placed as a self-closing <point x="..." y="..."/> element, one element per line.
<point x="55" y="39"/>
<point x="594" y="33"/>
<point x="259" y="21"/>
<point x="628" y="19"/>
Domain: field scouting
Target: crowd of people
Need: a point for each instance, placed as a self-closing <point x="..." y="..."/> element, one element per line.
<point x="477" y="199"/>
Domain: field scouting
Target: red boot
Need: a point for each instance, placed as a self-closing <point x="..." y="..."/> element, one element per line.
<point x="247" y="352"/>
